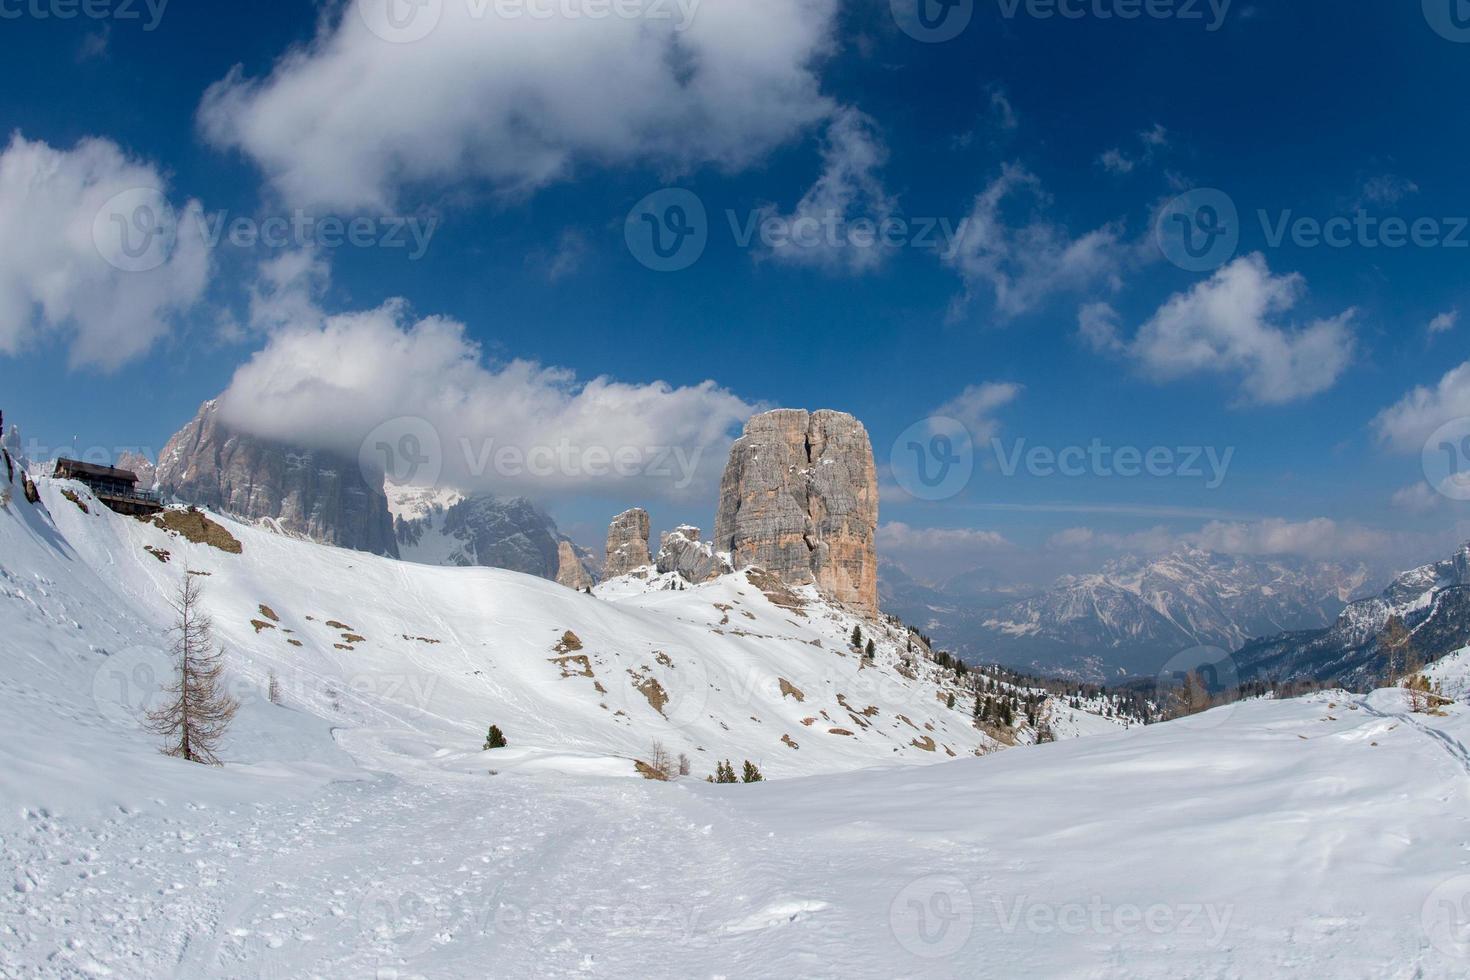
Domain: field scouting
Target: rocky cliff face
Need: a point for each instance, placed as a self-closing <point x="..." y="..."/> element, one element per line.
<point x="799" y="498"/>
<point x="140" y="466"/>
<point x="315" y="494"/>
<point x="571" y="570"/>
<point x="681" y="551"/>
<point x="446" y="528"/>
<point x="627" y="543"/>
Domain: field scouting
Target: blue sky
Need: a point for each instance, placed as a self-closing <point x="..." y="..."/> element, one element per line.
<point x="526" y="143"/>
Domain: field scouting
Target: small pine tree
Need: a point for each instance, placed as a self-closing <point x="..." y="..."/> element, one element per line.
<point x="857" y="638"/>
<point x="198" y="710"/>
<point x="724" y="773"/>
<point x="950" y="701"/>
<point x="273" y="688"/>
<point x="494" y="739"/>
<point x="752" y="773"/>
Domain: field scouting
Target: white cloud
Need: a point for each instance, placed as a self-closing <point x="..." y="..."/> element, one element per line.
<point x="849" y="190"/>
<point x="898" y="536"/>
<point x="63" y="270"/>
<point x="1406" y="426"/>
<point x="1320" y="537"/>
<point x="1229" y="325"/>
<point x="515" y="103"/>
<point x="1445" y="322"/>
<point x="1115" y="162"/>
<point x="1026" y="264"/>
<point x="1387" y="189"/>
<point x="976" y="404"/>
<point x="516" y="426"/>
<point x="1097" y="324"/>
<point x="1151" y="541"/>
<point x="1418" y="498"/>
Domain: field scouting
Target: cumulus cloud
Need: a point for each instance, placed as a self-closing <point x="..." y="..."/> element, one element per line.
<point x="92" y="253"/>
<point x="1023" y="265"/>
<point x="516" y="426"/>
<point x="976" y="405"/>
<point x="1232" y="324"/>
<point x="825" y="229"/>
<point x="1418" y="498"/>
<point x="1406" y="425"/>
<point x="515" y="103"/>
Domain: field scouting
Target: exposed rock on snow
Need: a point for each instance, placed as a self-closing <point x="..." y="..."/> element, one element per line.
<point x="680" y="551"/>
<point x="627" y="543"/>
<point x="799" y="497"/>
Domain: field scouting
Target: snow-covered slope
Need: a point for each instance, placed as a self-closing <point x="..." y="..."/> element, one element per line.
<point x="356" y="830"/>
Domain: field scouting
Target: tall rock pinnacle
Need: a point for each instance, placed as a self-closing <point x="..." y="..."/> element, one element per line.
<point x="800" y="498"/>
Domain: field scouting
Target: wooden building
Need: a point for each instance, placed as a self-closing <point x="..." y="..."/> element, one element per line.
<point x="116" y="488"/>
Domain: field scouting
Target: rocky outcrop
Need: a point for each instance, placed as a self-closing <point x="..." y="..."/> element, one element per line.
<point x="445" y="528"/>
<point x="627" y="543"/>
<point x="570" y="571"/>
<point x="799" y="498"/>
<point x="139" y="465"/>
<point x="681" y="551"/>
<point x="315" y="494"/>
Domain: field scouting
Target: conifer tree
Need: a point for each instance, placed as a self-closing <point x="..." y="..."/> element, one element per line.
<point x="752" y="773"/>
<point x="198" y="710"/>
<point x="494" y="739"/>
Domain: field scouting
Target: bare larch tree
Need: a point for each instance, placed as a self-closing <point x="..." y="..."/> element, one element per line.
<point x="198" y="710"/>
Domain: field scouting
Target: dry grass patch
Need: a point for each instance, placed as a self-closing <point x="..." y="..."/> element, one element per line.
<point x="789" y="689"/>
<point x="269" y="613"/>
<point x="158" y="553"/>
<point x="194" y="526"/>
<point x="569" y="643"/>
<point x="261" y="624"/>
<point x="72" y="496"/>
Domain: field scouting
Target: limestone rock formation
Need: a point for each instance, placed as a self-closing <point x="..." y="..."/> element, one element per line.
<point x="315" y="494"/>
<point x="570" y="571"/>
<point x="140" y="467"/>
<point x="680" y="550"/>
<point x="799" y="498"/>
<point x="627" y="543"/>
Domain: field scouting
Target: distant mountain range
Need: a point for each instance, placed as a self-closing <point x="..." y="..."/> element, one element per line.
<point x="1132" y="615"/>
<point x="1433" y="601"/>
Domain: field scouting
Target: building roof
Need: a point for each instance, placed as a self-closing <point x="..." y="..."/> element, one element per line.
<point x="75" y="469"/>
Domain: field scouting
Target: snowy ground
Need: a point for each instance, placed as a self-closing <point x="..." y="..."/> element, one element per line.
<point x="357" y="831"/>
